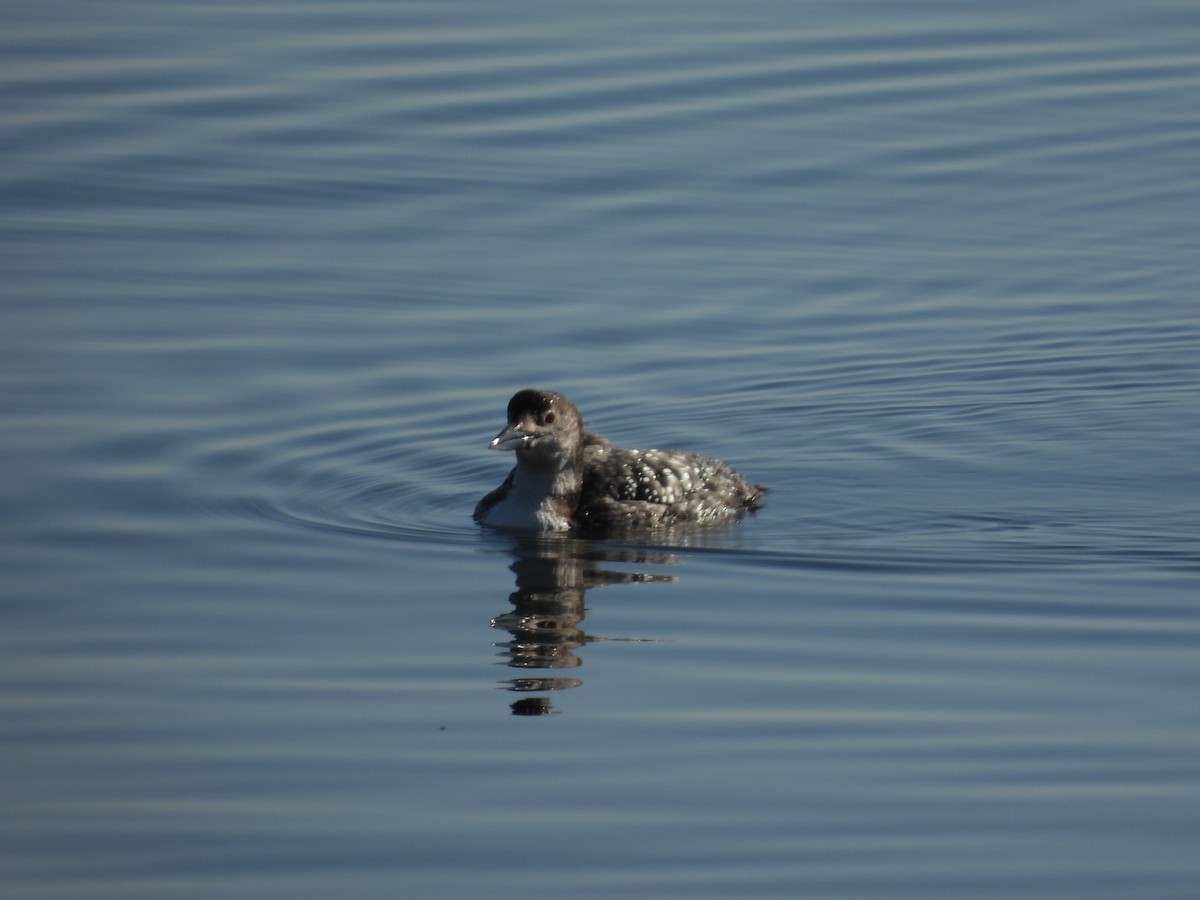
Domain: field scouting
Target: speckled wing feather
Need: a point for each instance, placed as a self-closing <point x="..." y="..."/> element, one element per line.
<point x="648" y="488"/>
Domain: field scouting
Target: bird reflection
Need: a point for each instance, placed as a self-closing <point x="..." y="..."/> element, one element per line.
<point x="553" y="575"/>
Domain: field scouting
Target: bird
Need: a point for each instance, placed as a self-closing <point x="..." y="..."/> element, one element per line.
<point x="570" y="479"/>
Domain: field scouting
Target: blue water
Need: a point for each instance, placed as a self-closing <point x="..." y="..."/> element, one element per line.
<point x="271" y="271"/>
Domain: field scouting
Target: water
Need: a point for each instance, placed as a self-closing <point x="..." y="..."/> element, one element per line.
<point x="271" y="272"/>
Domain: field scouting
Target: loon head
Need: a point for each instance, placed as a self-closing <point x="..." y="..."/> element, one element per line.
<point x="544" y="428"/>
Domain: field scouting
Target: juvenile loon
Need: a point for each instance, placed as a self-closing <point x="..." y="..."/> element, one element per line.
<point x="567" y="477"/>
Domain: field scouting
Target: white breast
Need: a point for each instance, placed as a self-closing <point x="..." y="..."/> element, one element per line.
<point x="527" y="505"/>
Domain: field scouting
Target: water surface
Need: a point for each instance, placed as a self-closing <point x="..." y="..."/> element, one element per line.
<point x="928" y="271"/>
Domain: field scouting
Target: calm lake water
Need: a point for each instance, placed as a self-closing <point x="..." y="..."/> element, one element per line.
<point x="930" y="271"/>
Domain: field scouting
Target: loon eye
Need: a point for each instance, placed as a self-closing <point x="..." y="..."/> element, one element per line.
<point x="548" y="418"/>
